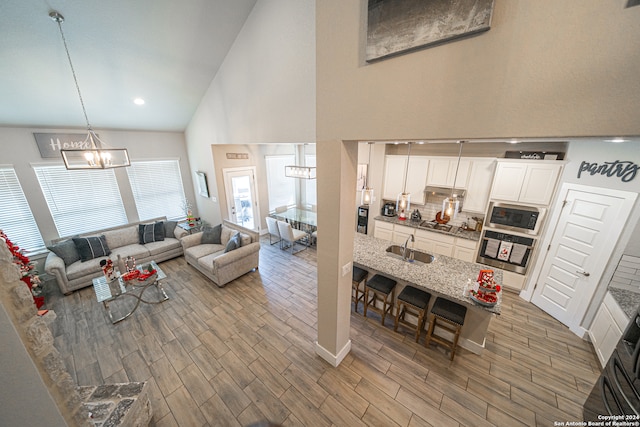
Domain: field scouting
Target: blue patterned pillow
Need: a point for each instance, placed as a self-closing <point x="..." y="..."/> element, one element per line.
<point x="234" y="243"/>
<point x="91" y="247"/>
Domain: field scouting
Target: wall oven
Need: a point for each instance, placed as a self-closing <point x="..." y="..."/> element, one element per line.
<point x="617" y="390"/>
<point x="506" y="251"/>
<point x="517" y="218"/>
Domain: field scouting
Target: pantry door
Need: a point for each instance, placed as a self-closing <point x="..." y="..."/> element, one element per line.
<point x="584" y="237"/>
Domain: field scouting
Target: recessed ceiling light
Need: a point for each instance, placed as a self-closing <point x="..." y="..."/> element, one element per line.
<point x="138" y="101"/>
<point x="616" y="140"/>
<point x="514" y="141"/>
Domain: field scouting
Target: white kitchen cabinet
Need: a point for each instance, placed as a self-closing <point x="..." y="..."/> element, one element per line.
<point x="479" y="185"/>
<point x="394" y="172"/>
<point x="401" y="233"/>
<point x="606" y="328"/>
<point x="465" y="250"/>
<point x="526" y="182"/>
<point x="539" y="183"/>
<point x="383" y="230"/>
<point x="434" y="243"/>
<point x="442" y="172"/>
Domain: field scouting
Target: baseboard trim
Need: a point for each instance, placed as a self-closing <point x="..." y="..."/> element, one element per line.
<point x="333" y="360"/>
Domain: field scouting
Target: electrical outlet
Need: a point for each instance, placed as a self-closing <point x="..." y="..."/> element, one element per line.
<point x="346" y="269"/>
<point x="214" y="198"/>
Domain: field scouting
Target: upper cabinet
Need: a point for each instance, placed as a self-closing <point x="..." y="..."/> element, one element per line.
<point x="394" y="173"/>
<point x="442" y="172"/>
<point x="479" y="185"/>
<point x="526" y="182"/>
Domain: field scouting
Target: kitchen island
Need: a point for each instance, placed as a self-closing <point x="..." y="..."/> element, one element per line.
<point x="444" y="276"/>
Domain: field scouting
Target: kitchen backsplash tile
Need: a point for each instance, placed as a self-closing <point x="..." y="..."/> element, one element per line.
<point x="429" y="211"/>
<point x="627" y="274"/>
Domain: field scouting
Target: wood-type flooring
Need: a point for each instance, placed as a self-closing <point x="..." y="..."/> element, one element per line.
<point x="245" y="354"/>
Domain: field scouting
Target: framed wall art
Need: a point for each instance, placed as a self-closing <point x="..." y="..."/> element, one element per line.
<point x="203" y="188"/>
<point x="401" y="26"/>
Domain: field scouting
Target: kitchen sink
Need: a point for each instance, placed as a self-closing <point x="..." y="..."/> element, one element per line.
<point x="435" y="226"/>
<point x="396" y="251"/>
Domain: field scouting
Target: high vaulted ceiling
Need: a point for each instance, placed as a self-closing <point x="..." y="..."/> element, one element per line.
<point x="164" y="51"/>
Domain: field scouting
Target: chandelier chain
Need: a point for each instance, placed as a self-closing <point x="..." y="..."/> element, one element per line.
<point x="59" y="19"/>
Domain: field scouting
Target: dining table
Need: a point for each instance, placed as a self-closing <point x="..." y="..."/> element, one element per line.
<point x="300" y="219"/>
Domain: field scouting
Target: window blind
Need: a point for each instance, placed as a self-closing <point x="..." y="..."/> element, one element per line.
<point x="157" y="189"/>
<point x="16" y="219"/>
<point x="282" y="190"/>
<point x="81" y="201"/>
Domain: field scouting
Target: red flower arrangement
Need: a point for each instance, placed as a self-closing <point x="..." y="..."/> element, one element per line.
<point x="29" y="277"/>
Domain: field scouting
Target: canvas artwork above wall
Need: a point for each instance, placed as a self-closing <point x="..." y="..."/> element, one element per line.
<point x="400" y="26"/>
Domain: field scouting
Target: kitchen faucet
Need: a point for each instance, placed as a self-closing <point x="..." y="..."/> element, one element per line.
<point x="404" y="247"/>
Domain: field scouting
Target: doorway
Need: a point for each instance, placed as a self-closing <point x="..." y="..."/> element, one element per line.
<point x="586" y="228"/>
<point x="242" y="203"/>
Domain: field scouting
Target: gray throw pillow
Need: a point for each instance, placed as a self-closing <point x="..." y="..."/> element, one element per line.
<point x="211" y="235"/>
<point x="233" y="243"/>
<point x="169" y="227"/>
<point x="66" y="250"/>
<point x="148" y="233"/>
<point x="91" y="247"/>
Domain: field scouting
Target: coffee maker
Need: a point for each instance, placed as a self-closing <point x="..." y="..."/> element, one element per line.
<point x="388" y="209"/>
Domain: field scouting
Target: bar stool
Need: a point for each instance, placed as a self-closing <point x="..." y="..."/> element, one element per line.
<point x="382" y="288"/>
<point x="449" y="316"/>
<point x="413" y="301"/>
<point x="358" y="275"/>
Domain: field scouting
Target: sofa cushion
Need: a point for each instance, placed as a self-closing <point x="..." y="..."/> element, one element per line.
<point x="66" y="250"/>
<point x="126" y="235"/>
<point x="91" y="247"/>
<point x="150" y="232"/>
<point x="200" y="251"/>
<point x="136" y="250"/>
<point x="169" y="228"/>
<point x="226" y="234"/>
<point x="207" y="261"/>
<point x="166" y="245"/>
<point x="81" y="269"/>
<point x="211" y="235"/>
<point x="233" y="243"/>
<point x="245" y="239"/>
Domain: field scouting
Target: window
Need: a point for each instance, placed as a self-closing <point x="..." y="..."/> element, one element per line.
<point x="16" y="219"/>
<point x="157" y="189"/>
<point x="310" y="184"/>
<point x="282" y="190"/>
<point x="81" y="201"/>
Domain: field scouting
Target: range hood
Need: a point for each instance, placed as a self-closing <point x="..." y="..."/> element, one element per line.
<point x="434" y="194"/>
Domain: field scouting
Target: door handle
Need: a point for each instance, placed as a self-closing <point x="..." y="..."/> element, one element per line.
<point x="584" y="273"/>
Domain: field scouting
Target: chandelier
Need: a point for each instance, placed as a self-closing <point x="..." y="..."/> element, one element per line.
<point x="93" y="155"/>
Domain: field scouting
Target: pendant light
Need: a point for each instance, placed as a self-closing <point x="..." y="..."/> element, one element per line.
<point x="451" y="205"/>
<point x="302" y="172"/>
<point x="93" y="155"/>
<point x="403" y="202"/>
<point x="366" y="196"/>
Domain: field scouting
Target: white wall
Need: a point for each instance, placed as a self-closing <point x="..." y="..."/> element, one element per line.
<point x="18" y="148"/>
<point x="545" y="68"/>
<point x="264" y="91"/>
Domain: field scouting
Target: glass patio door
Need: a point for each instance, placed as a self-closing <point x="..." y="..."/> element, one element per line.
<point x="240" y="189"/>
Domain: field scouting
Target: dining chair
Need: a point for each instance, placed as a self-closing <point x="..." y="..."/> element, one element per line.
<point x="272" y="226"/>
<point x="290" y="234"/>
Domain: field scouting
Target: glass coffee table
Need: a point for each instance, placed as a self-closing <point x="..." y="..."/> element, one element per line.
<point x="132" y="288"/>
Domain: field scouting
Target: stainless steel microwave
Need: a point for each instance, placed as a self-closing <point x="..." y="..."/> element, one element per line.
<point x="518" y="218"/>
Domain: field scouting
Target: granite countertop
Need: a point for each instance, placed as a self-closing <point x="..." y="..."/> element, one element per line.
<point x="455" y="231"/>
<point x="626" y="299"/>
<point x="446" y="276"/>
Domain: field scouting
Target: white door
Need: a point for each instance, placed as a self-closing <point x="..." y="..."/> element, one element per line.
<point x="585" y="235"/>
<point x="240" y="189"/>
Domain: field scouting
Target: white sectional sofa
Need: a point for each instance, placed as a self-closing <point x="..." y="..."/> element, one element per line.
<point x="123" y="241"/>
